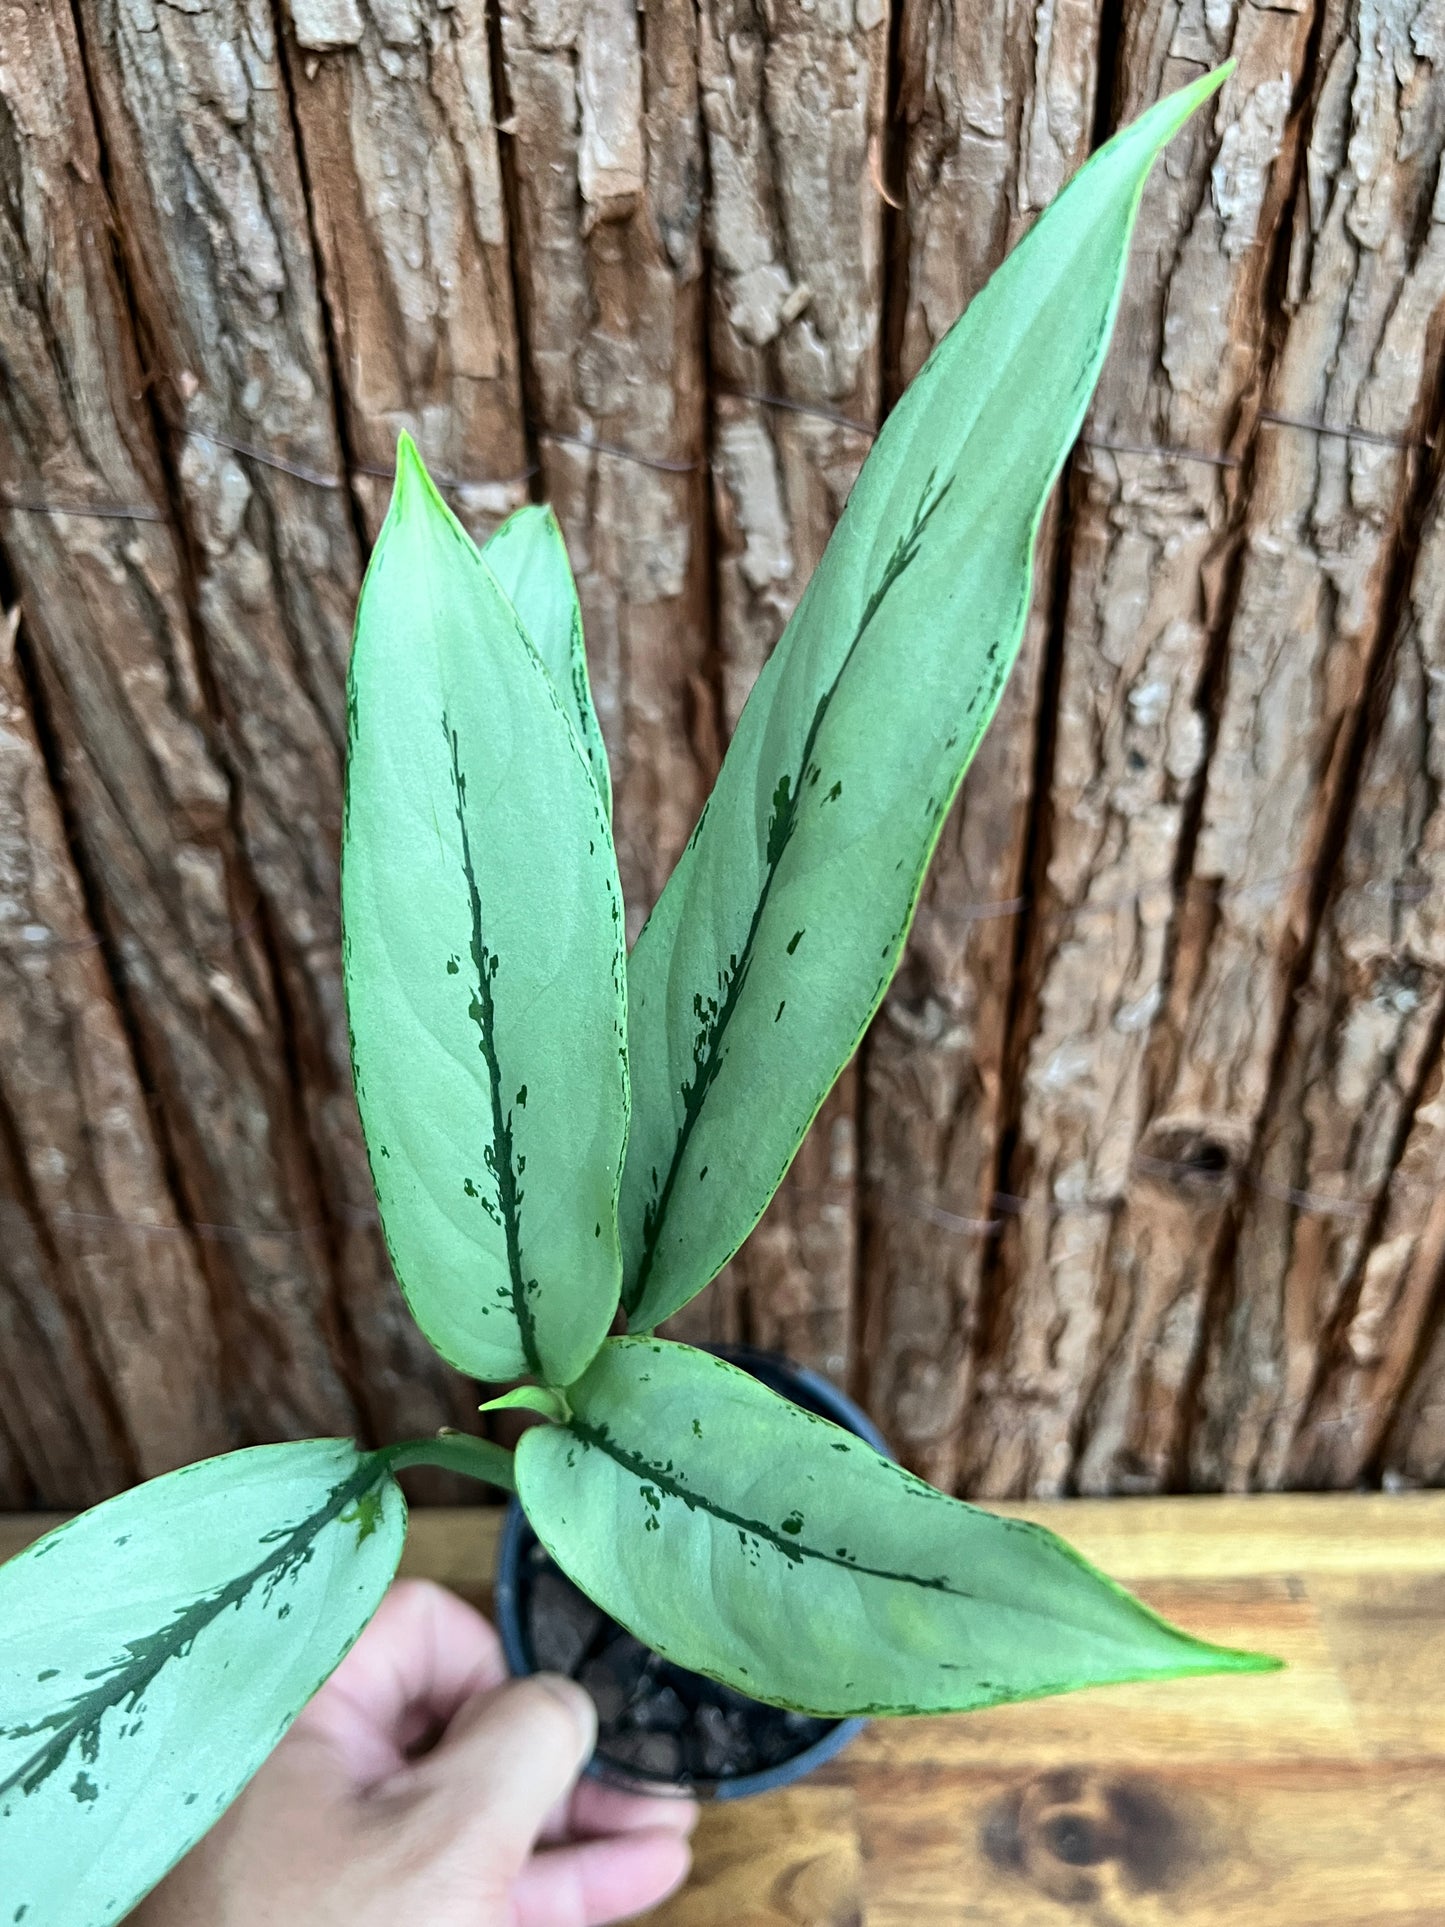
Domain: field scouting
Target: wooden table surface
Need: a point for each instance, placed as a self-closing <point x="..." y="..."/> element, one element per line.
<point x="1314" y="1797"/>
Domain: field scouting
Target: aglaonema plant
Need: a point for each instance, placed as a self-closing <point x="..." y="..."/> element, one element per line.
<point x="556" y="1129"/>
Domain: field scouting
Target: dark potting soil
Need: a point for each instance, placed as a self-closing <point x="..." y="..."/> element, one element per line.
<point x="655" y="1721"/>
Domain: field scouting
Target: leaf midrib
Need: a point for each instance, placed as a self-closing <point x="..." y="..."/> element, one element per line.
<point x="132" y="1679"/>
<point x="483" y="1013"/>
<point x="795" y="1550"/>
<point x="780" y="835"/>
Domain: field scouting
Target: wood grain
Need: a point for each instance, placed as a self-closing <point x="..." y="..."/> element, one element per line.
<point x="1309" y="1796"/>
<point x="123" y="695"/>
<point x="214" y="228"/>
<point x="1340" y="1246"/>
<point x="111" y="1355"/>
<point x="1136" y="1182"/>
<point x="1117" y="1337"/>
<point x="997" y="109"/>
<point x="1129" y="743"/>
<point x="606" y="158"/>
<point x="394" y="111"/>
<point x="792" y="102"/>
<point x="1312" y="617"/>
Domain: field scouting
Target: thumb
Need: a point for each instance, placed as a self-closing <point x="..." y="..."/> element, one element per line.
<point x="506" y="1760"/>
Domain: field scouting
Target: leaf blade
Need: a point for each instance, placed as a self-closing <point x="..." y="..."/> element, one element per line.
<point x="774" y="940"/>
<point x="108" y="1776"/>
<point x="823" y="1576"/>
<point x="528" y="557"/>
<point x="484" y="962"/>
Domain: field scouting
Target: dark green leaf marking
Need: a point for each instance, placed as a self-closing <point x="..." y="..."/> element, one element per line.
<point x="499" y="1155"/>
<point x="786" y="1539"/>
<point x="125" y="1682"/>
<point x="715" y="1014"/>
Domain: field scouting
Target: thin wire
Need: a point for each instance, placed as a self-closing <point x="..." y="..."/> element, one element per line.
<point x="457" y="484"/>
<point x="801" y="408"/>
<point x="1159" y="448"/>
<point x="46" y="945"/>
<point x="315" y="476"/>
<point x="102" y="511"/>
<point x="318" y="478"/>
<point x="1397" y="889"/>
<point x="670" y="465"/>
<point x="1341" y="431"/>
<point x="1004" y="1204"/>
<point x="1007" y="1204"/>
<point x="63" y="1217"/>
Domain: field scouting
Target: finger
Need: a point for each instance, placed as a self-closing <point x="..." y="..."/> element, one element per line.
<point x="600" y="1880"/>
<point x="506" y="1759"/>
<point x="597" y="1811"/>
<point x="425" y="1654"/>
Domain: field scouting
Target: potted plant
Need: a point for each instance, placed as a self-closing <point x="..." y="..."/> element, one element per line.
<point x="557" y="1129"/>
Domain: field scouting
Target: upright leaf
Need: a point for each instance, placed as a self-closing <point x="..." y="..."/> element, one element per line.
<point x="529" y="559"/>
<point x="484" y="961"/>
<point x="746" y="1539"/>
<point x="775" y="937"/>
<point x="153" y="1651"/>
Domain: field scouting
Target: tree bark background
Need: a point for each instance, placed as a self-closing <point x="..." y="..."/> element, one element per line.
<point x="1137" y="1180"/>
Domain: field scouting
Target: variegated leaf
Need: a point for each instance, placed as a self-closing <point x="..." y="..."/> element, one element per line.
<point x="749" y="1540"/>
<point x="483" y="949"/>
<point x="154" y="1650"/>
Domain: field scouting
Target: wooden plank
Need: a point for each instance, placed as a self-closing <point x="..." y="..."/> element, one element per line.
<point x="1311" y="1795"/>
<point x="1264" y="1535"/>
<point x="1276" y="1847"/>
<point x="792" y="101"/>
<point x="195" y="122"/>
<point x="607" y="165"/>
<point x="1313" y="607"/>
<point x="1386" y="1631"/>
<point x="124" y="702"/>
<point x="1341" y="1244"/>
<point x="1148" y="527"/>
<point x="110" y="1336"/>
<point x="997" y="104"/>
<point x="395" y="119"/>
<point x="1415" y="1448"/>
<point x="794" y="1863"/>
<point x="1192" y="1722"/>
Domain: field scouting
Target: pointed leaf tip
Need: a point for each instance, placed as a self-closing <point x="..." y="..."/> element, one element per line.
<point x="837" y="1583"/>
<point x="413" y="485"/>
<point x="1234" y="1659"/>
<point x="1188" y="100"/>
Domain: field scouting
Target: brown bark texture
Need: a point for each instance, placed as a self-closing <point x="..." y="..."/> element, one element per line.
<point x="1136" y="1182"/>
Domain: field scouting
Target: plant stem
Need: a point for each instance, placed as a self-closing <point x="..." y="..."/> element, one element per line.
<point x="455" y="1452"/>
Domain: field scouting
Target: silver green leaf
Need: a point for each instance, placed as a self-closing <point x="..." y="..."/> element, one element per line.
<point x="153" y="1651"/>
<point x="746" y="1539"/>
<point x="529" y="559"/>
<point x="484" y="961"/>
<point x="774" y="939"/>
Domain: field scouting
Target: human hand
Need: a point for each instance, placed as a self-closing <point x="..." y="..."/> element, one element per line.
<point x="412" y="1792"/>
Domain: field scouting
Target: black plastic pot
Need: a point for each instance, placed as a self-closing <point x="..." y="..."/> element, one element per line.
<point x="662" y="1729"/>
